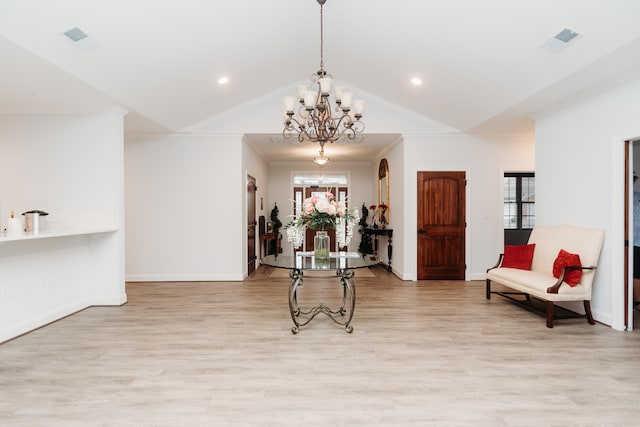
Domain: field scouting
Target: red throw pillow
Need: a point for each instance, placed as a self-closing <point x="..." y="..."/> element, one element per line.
<point x="518" y="256"/>
<point x="564" y="259"/>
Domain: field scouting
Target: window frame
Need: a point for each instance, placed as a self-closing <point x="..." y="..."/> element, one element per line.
<point x="518" y="202"/>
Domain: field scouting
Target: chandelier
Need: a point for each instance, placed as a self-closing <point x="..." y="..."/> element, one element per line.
<point x="315" y="120"/>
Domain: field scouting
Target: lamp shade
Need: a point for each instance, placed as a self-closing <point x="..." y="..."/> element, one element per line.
<point x="310" y="99"/>
<point x="325" y="85"/>
<point x="346" y="99"/>
<point x="289" y="102"/>
<point x="358" y="106"/>
<point x="301" y="91"/>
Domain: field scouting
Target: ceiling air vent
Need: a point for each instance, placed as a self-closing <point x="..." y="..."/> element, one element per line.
<point x="75" y="34"/>
<point x="81" y="39"/>
<point x="566" y="35"/>
<point x="560" y="40"/>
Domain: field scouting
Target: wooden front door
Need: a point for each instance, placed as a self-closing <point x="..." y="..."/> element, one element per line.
<point x="251" y="224"/>
<point x="441" y="225"/>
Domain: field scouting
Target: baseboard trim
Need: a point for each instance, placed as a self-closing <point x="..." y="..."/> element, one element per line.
<point x="183" y="278"/>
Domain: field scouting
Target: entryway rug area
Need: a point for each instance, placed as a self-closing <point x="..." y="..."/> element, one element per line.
<point x="283" y="272"/>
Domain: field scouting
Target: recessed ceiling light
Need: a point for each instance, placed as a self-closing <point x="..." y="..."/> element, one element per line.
<point x="223" y="80"/>
<point x="416" y="81"/>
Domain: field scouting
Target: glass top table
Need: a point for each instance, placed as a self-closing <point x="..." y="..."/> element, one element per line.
<point x="343" y="263"/>
<point x="306" y="261"/>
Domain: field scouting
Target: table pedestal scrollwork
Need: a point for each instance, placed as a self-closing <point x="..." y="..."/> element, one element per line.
<point x="342" y="316"/>
<point x="344" y="264"/>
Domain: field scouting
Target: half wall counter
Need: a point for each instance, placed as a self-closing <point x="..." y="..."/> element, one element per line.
<point x="47" y="276"/>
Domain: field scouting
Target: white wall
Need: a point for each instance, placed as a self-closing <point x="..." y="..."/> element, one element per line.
<point x="483" y="159"/>
<point x="580" y="181"/>
<point x="185" y="203"/>
<point x="72" y="167"/>
<point x="63" y="164"/>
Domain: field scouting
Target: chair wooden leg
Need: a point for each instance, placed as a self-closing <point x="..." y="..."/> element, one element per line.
<point x="549" y="314"/>
<point x="488" y="289"/>
<point x="587" y="310"/>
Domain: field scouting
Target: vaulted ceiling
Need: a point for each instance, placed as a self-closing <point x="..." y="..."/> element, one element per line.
<point x="481" y="62"/>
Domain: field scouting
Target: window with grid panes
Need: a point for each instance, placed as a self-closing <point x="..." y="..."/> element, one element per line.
<point x="519" y="201"/>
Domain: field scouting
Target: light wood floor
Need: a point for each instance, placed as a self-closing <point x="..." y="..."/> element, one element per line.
<point x="422" y="353"/>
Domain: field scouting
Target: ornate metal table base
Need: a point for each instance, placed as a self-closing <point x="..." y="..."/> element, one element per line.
<point x="342" y="316"/>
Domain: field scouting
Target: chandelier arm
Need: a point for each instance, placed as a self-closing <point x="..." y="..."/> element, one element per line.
<point x="348" y="121"/>
<point x="318" y="124"/>
<point x="308" y="120"/>
<point x="347" y="132"/>
<point x="293" y="125"/>
<point x="358" y="126"/>
<point x="330" y="120"/>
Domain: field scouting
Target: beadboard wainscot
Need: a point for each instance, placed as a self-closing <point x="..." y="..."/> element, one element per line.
<point x="51" y="275"/>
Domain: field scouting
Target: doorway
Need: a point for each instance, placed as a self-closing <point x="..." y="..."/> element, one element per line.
<point x="441" y="225"/>
<point x="251" y="224"/>
<point x="632" y="234"/>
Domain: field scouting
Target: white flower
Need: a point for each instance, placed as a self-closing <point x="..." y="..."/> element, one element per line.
<point x="295" y="235"/>
<point x="323" y="205"/>
<point x="344" y="232"/>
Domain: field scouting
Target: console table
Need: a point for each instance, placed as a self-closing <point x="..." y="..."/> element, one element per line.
<point x="264" y="242"/>
<point x="375" y="232"/>
<point x="343" y="263"/>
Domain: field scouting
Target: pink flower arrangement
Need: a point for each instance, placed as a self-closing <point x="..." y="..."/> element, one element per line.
<point x="322" y="213"/>
<point x="323" y="205"/>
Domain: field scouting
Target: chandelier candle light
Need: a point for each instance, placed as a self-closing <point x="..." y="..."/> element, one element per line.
<point x="313" y="121"/>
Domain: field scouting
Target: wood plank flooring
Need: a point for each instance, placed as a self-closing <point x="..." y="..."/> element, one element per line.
<point x="421" y="353"/>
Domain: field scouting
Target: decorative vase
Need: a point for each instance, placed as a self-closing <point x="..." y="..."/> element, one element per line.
<point x="321" y="245"/>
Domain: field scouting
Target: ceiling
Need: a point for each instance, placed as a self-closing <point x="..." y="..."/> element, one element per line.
<point x="481" y="62"/>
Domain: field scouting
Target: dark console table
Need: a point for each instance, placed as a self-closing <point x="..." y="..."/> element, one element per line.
<point x="369" y="233"/>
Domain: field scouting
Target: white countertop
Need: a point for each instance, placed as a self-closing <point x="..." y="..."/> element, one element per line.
<point x="58" y="233"/>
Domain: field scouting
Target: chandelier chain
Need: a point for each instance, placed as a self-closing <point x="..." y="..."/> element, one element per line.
<point x="321" y="37"/>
